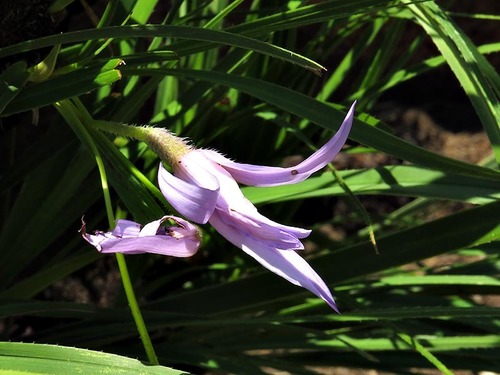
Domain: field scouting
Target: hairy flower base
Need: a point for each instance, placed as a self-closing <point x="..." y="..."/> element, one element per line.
<point x="204" y="188"/>
<point x="181" y="240"/>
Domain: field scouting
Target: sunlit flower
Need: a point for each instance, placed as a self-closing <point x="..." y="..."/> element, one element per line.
<point x="180" y="240"/>
<point x="204" y="188"/>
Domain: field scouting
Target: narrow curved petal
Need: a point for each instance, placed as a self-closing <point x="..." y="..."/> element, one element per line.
<point x="160" y="244"/>
<point x="260" y="227"/>
<point x="192" y="201"/>
<point x="255" y="175"/>
<point x="178" y="241"/>
<point x="287" y="264"/>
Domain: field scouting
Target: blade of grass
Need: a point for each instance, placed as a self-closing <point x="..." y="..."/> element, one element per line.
<point x="476" y="75"/>
<point x="183" y="32"/>
<point x="54" y="359"/>
<point x="12" y="81"/>
<point x="45" y="194"/>
<point x="325" y="116"/>
<point x="398" y="180"/>
<point x="65" y="86"/>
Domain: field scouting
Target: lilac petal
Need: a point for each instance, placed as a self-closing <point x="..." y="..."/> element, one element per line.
<point x="126" y="228"/>
<point x="185" y="230"/>
<point x="287" y="264"/>
<point x="273" y="234"/>
<point x="256" y="175"/>
<point x="239" y="209"/>
<point x="182" y="241"/>
<point x="232" y="200"/>
<point x="96" y="239"/>
<point x="196" y="169"/>
<point x="160" y="244"/>
<point x="194" y="202"/>
<point x="151" y="229"/>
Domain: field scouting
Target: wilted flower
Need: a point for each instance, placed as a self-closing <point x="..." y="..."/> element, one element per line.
<point x="181" y="240"/>
<point x="204" y="188"/>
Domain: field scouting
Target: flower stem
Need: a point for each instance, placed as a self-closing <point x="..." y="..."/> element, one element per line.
<point x="166" y="145"/>
<point x="138" y="132"/>
<point x="136" y="312"/>
<point x="74" y="114"/>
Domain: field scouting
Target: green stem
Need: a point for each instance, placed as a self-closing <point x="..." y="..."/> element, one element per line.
<point x="72" y="115"/>
<point x="166" y="145"/>
<point x="137" y="132"/>
<point x="136" y="312"/>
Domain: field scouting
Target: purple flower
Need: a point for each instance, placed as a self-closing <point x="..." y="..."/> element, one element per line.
<point x="204" y="188"/>
<point x="182" y="240"/>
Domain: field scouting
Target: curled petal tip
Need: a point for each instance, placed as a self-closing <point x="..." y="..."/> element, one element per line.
<point x="256" y="175"/>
